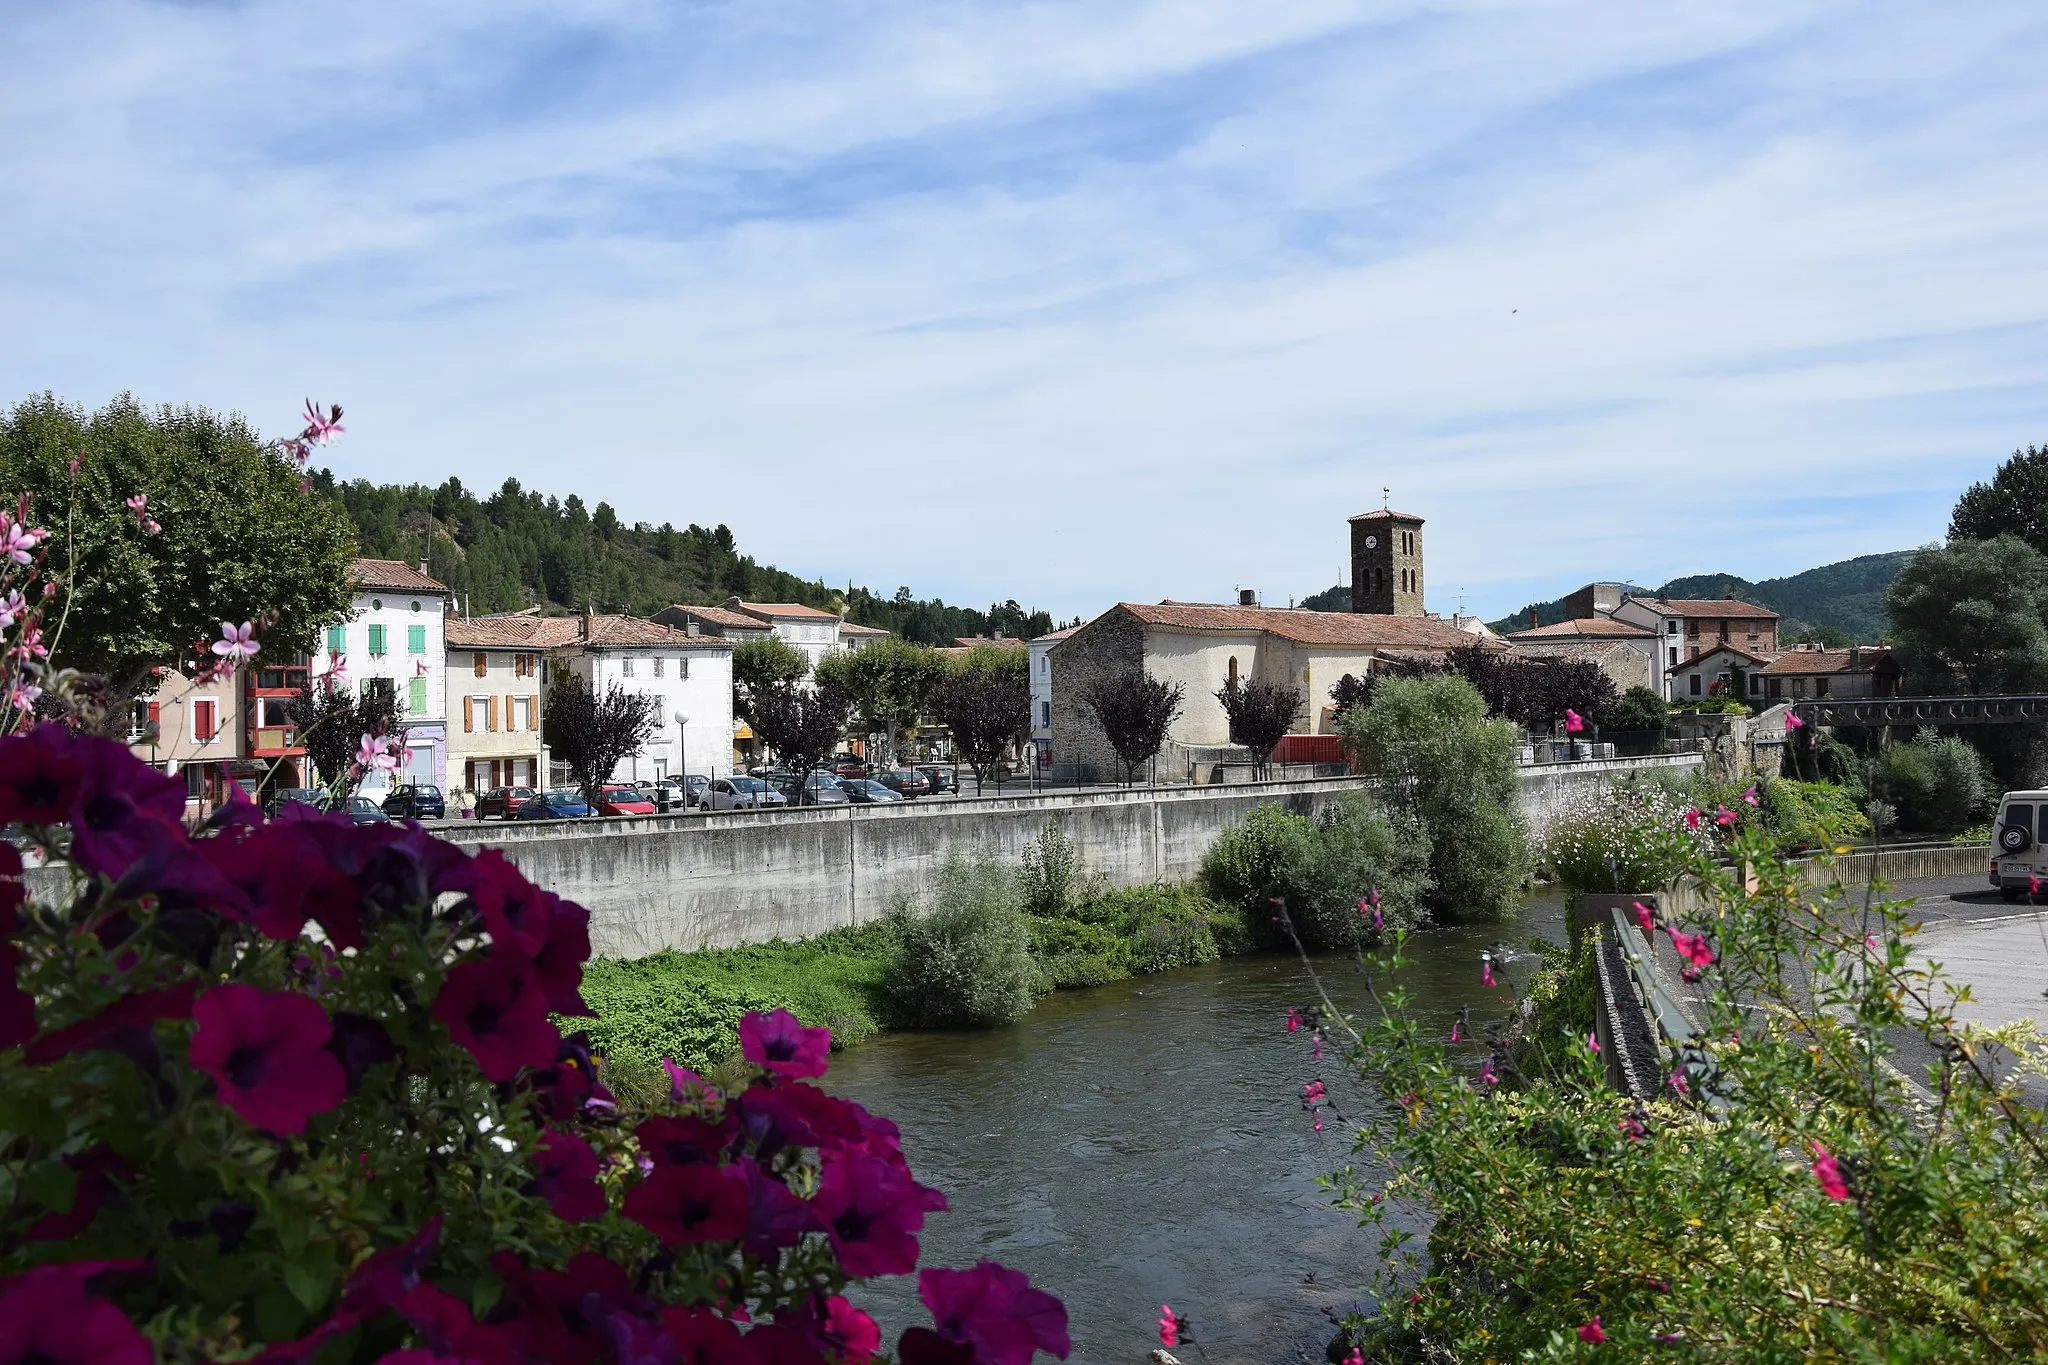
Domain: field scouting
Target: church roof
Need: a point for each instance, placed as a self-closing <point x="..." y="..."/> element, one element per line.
<point x="1334" y="629"/>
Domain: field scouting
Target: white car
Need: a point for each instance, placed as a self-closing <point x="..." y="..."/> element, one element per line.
<point x="742" y="793"/>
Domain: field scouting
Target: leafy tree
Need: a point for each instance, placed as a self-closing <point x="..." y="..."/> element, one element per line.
<point x="887" y="683"/>
<point x="1261" y="713"/>
<point x="1350" y="691"/>
<point x="239" y="536"/>
<point x="966" y="961"/>
<point x="1135" y="712"/>
<point x="1454" y="770"/>
<point x="331" y="722"/>
<point x="802" y="725"/>
<point x="1970" y="618"/>
<point x="1537" y="692"/>
<point x="1640" y="708"/>
<point x="592" y="734"/>
<point x="758" y="666"/>
<point x="2014" y="503"/>
<point x="988" y="709"/>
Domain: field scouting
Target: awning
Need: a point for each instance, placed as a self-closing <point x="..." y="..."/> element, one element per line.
<point x="742" y="731"/>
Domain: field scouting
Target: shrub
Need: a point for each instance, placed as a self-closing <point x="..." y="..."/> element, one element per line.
<point x="290" y="1090"/>
<point x="1623" y="837"/>
<point x="966" y="962"/>
<point x="1076" y="953"/>
<point x="1803" y="815"/>
<point x="1640" y="708"/>
<point x="1322" y="868"/>
<point x="1454" y="770"/>
<point x="1939" y="784"/>
<point x="1051" y="879"/>
<point x="1167" y="925"/>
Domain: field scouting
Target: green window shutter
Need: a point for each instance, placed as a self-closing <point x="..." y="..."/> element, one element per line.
<point x="376" y="641"/>
<point x="415" y="639"/>
<point x="337" y="639"/>
<point x="416" y="703"/>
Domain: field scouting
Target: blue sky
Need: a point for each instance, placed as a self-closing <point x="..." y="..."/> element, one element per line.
<point x="1073" y="302"/>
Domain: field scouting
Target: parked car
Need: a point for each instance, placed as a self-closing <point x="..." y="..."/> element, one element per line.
<point x="364" y="811"/>
<point x="502" y="803"/>
<point x="849" y="765"/>
<point x="562" y="804"/>
<point x="939" y="776"/>
<point x="820" y="789"/>
<point x="416" y="802"/>
<point x="865" y="791"/>
<point x="743" y="793"/>
<point x="694" y="785"/>
<point x="624" y="800"/>
<point x="277" y="797"/>
<point x="907" y="783"/>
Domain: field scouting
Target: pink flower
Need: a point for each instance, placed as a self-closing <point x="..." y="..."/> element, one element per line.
<point x="2033" y="885"/>
<point x="565" y="1174"/>
<point x="1693" y="948"/>
<point x="17" y="542"/>
<point x="495" y="1008"/>
<point x="267" y="1053"/>
<point x="337" y="675"/>
<point x="1487" y="1073"/>
<point x="1590" y="1332"/>
<point x="1678" y="1082"/>
<point x="685" y="1204"/>
<point x="1723" y="816"/>
<point x="139" y="505"/>
<point x="237" y="644"/>
<point x="1357" y="1357"/>
<point x="1692" y="817"/>
<point x="1645" y="918"/>
<point x="320" y="429"/>
<point x="11" y="608"/>
<point x="1293" y="1020"/>
<point x="1828" y="1171"/>
<point x="1870" y="942"/>
<point x="50" y="1316"/>
<point x="1593" y="1043"/>
<point x="1319" y="1120"/>
<point x="1632" y="1128"/>
<point x="1486" y="972"/>
<point x="1454" y="1030"/>
<point x="870" y="1208"/>
<point x="1750" y="795"/>
<point x="1169" y="1327"/>
<point x="374" y="754"/>
<point x="995" y="1310"/>
<point x="777" y="1042"/>
<point x="1319" y="1047"/>
<point x="1573" y="721"/>
<point x="1792" y="722"/>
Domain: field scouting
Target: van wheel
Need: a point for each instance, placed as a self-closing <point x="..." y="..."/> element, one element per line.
<point x="2010" y="894"/>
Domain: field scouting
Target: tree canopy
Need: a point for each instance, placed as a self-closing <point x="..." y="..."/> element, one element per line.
<point x="593" y="733"/>
<point x="887" y="683"/>
<point x="802" y="725"/>
<point x="2014" y="503"/>
<point x="237" y="533"/>
<point x="1261" y="713"/>
<point x="1134" y="710"/>
<point x="760" y="665"/>
<point x="1972" y="617"/>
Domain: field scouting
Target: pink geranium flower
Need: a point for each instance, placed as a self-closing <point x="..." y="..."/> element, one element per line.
<point x="1692" y="817"/>
<point x="1828" y="1171"/>
<point x="777" y="1042"/>
<point x="1693" y="948"/>
<point x="267" y="1053"/>
<point x="237" y="644"/>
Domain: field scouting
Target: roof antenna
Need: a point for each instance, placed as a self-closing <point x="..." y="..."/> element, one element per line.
<point x="1386" y="499"/>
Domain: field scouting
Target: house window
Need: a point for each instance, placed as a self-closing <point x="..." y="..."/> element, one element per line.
<point x="1820" y="687"/>
<point x="415" y="606"/>
<point x="479" y="662"/>
<point x="1692" y="628"/>
<point x="1777" y="687"/>
<point x="205" y="719"/>
<point x="1671" y="627"/>
<point x="683" y="669"/>
<point x="376" y="604"/>
<point x="376" y="642"/>
<point x="1674" y="656"/>
<point x="415" y="639"/>
<point x="1045" y="713"/>
<point x="337" y="639"/>
<point x="657" y="665"/>
<point x="626" y="667"/>
<point x="1799" y="687"/>
<point x="1233" y="673"/>
<point x="1695" y="687"/>
<point x="416" y="697"/>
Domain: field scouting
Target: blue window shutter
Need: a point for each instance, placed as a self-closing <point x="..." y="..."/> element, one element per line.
<point x="337" y="639"/>
<point x="376" y="641"/>
<point x="415" y="639"/>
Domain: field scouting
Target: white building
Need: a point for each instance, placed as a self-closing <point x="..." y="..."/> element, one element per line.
<point x="814" y="632"/>
<point x="685" y="673"/>
<point x="1041" y="692"/>
<point x="1688" y="629"/>
<point x="394" y="639"/>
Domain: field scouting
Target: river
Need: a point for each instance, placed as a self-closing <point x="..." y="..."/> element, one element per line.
<point x="1143" y="1143"/>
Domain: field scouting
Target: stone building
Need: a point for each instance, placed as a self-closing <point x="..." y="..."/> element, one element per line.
<point x="1810" y="673"/>
<point x="1386" y="564"/>
<point x="1627" y="653"/>
<point x="1203" y="646"/>
<point x="1689" y="629"/>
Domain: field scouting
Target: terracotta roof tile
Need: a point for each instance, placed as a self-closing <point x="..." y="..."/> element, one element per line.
<point x="1054" y="635"/>
<point x="1384" y="514"/>
<point x="1862" y="659"/>
<point x="786" y="609"/>
<point x="554" y="632"/>
<point x="1605" y="627"/>
<point x="971" y="641"/>
<point x="394" y="575"/>
<point x="491" y="632"/>
<point x="723" y="617"/>
<point x="1713" y="606"/>
<point x="1329" y="628"/>
<point x="853" y="628"/>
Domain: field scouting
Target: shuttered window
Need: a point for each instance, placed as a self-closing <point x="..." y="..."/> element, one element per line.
<point x="376" y="642"/>
<point x="416" y="701"/>
<point x="337" y="639"/>
<point x="204" y="719"/>
<point x="468" y="715"/>
<point x="491" y="722"/>
<point x="415" y="639"/>
<point x="479" y="662"/>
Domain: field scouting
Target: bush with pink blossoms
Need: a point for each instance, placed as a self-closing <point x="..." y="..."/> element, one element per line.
<point x="293" y="1091"/>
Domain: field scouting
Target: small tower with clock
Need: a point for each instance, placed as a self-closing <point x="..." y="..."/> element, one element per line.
<point x="1386" y="563"/>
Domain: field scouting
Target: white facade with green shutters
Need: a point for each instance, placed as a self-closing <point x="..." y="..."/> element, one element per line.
<point x="394" y="638"/>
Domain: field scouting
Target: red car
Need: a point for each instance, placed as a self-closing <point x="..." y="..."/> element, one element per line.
<point x="846" y="765"/>
<point x="620" y="799"/>
<point x="502" y="803"/>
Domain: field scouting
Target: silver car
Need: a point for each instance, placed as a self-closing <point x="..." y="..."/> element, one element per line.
<point x="742" y="793"/>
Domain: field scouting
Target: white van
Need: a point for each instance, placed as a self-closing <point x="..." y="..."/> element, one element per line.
<point x="2017" y="855"/>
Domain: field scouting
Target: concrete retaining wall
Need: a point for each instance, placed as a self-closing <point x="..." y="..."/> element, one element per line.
<point x="718" y="881"/>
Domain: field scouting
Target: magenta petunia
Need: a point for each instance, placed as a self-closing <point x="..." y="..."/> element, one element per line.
<point x="559" y="963"/>
<point x="117" y="1026"/>
<point x="701" y="1337"/>
<point x="40" y="776"/>
<point x="1591" y="1332"/>
<point x="682" y="1141"/>
<point x="565" y="1174"/>
<point x="996" y="1310"/>
<point x="854" y="1334"/>
<point x="495" y="1008"/>
<point x="684" y="1204"/>
<point x="777" y="1042"/>
<point x="514" y="910"/>
<point x="871" y="1208"/>
<point x="1828" y="1171"/>
<point x="776" y="1218"/>
<point x="51" y="1316"/>
<point x="122" y="809"/>
<point x="267" y="1052"/>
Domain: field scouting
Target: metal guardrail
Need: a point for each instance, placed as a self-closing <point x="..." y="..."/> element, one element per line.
<point x="2031" y="708"/>
<point x="1680" y="1041"/>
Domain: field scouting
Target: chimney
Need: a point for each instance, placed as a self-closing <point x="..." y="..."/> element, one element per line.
<point x="423" y="560"/>
<point x="583" y="626"/>
<point x="691" y="627"/>
<point x="1247" y="597"/>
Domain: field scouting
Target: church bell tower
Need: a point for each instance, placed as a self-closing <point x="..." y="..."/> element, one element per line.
<point x="1386" y="563"/>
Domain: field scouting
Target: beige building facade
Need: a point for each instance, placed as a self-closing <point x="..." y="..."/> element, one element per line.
<point x="494" y="704"/>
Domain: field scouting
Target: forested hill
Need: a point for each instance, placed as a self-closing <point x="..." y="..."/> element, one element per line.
<point x="1841" y="602"/>
<point x="519" y="548"/>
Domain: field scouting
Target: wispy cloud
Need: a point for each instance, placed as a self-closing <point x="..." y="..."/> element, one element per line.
<point x="1105" y="300"/>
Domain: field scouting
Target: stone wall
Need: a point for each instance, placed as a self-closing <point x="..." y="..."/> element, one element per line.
<point x="1112" y="643"/>
<point x="697" y="881"/>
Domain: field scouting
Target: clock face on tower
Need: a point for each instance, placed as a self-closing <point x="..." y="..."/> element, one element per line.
<point x="1372" y="542"/>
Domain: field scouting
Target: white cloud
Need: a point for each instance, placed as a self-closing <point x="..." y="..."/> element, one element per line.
<point x="1101" y="300"/>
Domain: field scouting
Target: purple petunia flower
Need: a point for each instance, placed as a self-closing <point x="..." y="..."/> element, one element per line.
<point x="565" y="1174"/>
<point x="267" y="1052"/>
<point x="684" y="1204"/>
<point x="871" y="1208"/>
<point x="50" y="1316"/>
<point x="777" y="1042"/>
<point x="995" y="1310"/>
<point x="495" y="1008"/>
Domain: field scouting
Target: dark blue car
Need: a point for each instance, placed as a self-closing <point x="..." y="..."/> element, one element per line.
<point x="554" y="805"/>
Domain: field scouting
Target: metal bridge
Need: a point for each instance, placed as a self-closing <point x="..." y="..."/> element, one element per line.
<point x="1916" y="711"/>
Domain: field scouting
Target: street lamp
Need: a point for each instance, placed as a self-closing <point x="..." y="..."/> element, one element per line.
<point x="683" y="749"/>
